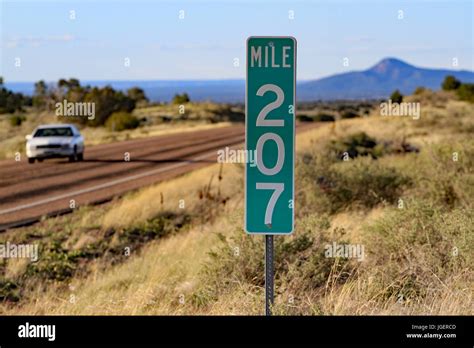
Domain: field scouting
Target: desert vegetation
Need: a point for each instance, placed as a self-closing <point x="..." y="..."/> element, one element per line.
<point x="401" y="188"/>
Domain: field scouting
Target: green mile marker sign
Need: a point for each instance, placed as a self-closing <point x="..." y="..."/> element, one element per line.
<point x="270" y="135"/>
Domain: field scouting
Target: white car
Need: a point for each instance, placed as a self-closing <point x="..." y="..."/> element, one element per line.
<point x="53" y="141"/>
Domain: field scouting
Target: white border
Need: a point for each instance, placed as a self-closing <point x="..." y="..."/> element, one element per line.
<point x="294" y="131"/>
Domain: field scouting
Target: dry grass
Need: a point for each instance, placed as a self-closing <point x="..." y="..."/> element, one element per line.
<point x="172" y="195"/>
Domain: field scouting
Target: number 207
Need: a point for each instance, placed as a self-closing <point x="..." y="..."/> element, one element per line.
<point x="277" y="188"/>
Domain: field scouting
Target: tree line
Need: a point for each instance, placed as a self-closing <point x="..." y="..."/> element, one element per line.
<point x="11" y="102"/>
<point x="107" y="100"/>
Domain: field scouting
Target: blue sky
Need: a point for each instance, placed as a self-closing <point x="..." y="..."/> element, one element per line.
<point x="212" y="34"/>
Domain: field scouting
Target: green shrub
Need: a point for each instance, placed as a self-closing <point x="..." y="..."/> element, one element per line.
<point x="359" y="183"/>
<point x="137" y="94"/>
<point x="305" y="118"/>
<point x="349" y="114"/>
<point x="396" y="97"/>
<point x="9" y="291"/>
<point x="161" y="225"/>
<point x="120" y="121"/>
<point x="324" y="118"/>
<point x="17" y="120"/>
<point x="419" y="90"/>
<point x="317" y="118"/>
<point x="55" y="263"/>
<point x="466" y="92"/>
<point x="450" y="83"/>
<point x="181" y="99"/>
<point x="354" y="145"/>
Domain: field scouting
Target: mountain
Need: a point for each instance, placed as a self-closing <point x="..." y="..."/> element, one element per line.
<point x="378" y="81"/>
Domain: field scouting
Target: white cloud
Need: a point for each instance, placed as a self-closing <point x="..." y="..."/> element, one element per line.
<point x="37" y="41"/>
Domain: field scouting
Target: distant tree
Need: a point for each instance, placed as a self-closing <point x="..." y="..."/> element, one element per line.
<point x="11" y="102"/>
<point x="137" y="94"/>
<point x="107" y="101"/>
<point x="40" y="95"/>
<point x="40" y="88"/>
<point x="450" y="83"/>
<point x="396" y="97"/>
<point x="181" y="98"/>
<point x="62" y="83"/>
<point x="76" y="94"/>
<point x="74" y="83"/>
<point x="71" y="83"/>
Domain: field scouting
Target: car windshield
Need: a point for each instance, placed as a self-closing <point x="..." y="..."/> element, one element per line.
<point x="54" y="132"/>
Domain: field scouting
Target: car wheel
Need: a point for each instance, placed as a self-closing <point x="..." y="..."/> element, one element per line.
<point x="73" y="157"/>
<point x="80" y="156"/>
<point x="31" y="160"/>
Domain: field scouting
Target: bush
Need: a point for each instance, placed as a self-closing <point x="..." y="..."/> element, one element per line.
<point x="349" y="114"/>
<point x="305" y="118"/>
<point x="56" y="263"/>
<point x="396" y="97"/>
<point x="317" y="118"/>
<point x="361" y="183"/>
<point x="324" y="118"/>
<point x="137" y="94"/>
<point x="466" y="92"/>
<point x="16" y="120"/>
<point x="120" y="121"/>
<point x="181" y="98"/>
<point x="419" y="90"/>
<point x="450" y="83"/>
<point x="9" y="291"/>
<point x="161" y="225"/>
<point x="358" y="144"/>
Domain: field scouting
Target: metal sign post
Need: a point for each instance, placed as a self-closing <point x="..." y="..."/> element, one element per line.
<point x="269" y="287"/>
<point x="270" y="137"/>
